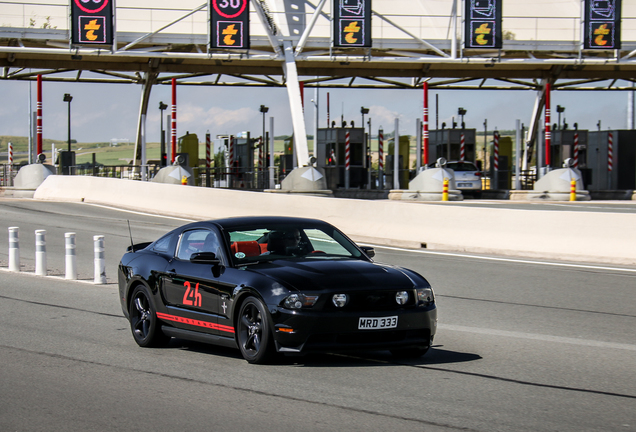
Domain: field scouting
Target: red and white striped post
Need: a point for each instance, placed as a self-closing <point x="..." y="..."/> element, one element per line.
<point x="610" y="158"/>
<point x="208" y="160"/>
<point x="9" y="173"/>
<point x="39" y="118"/>
<point x="425" y="128"/>
<point x="495" y="158"/>
<point x="173" y="127"/>
<point x="462" y="147"/>
<point x="610" y="151"/>
<point x="230" y="162"/>
<point x="347" y="161"/>
<point x="548" y="135"/>
<point x="576" y="149"/>
<point x="381" y="150"/>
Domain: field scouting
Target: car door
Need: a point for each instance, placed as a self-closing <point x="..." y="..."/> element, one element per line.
<point x="191" y="290"/>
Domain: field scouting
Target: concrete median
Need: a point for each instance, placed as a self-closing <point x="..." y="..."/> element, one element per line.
<point x="600" y="237"/>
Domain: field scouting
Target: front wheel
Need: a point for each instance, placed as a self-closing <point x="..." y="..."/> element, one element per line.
<point x="143" y="319"/>
<point x="254" y="334"/>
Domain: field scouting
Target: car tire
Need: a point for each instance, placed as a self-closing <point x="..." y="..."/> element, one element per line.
<point x="143" y="319"/>
<point x="254" y="334"/>
<point x="409" y="353"/>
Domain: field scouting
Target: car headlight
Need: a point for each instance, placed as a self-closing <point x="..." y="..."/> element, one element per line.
<point x="425" y="296"/>
<point x="298" y="301"/>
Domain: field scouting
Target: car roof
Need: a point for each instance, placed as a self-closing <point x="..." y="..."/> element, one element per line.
<point x="243" y="221"/>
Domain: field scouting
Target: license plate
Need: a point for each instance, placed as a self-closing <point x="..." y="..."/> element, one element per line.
<point x="464" y="184"/>
<point x="377" y="323"/>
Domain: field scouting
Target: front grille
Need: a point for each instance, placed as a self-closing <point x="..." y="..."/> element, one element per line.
<point x="376" y="300"/>
<point x="369" y="339"/>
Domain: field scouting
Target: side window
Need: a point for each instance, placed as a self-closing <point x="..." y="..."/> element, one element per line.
<point x="162" y="244"/>
<point x="199" y="240"/>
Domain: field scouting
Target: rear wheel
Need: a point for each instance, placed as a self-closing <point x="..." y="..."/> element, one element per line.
<point x="254" y="334"/>
<point x="143" y="319"/>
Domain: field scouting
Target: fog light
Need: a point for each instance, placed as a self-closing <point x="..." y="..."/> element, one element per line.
<point x="402" y="297"/>
<point x="340" y="300"/>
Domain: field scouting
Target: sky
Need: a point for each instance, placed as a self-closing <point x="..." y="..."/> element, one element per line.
<point x="101" y="112"/>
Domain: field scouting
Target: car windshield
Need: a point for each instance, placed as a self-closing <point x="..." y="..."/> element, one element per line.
<point x="462" y="166"/>
<point x="288" y="241"/>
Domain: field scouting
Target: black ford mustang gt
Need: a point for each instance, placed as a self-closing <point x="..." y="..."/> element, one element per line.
<point x="273" y="285"/>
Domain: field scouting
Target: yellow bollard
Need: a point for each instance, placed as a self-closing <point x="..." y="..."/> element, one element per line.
<point x="573" y="190"/>
<point x="184" y="180"/>
<point x="445" y="190"/>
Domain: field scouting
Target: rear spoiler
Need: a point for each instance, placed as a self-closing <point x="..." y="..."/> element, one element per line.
<point x="138" y="246"/>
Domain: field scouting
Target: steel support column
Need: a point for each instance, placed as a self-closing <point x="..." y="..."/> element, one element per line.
<point x="149" y="80"/>
<point x="296" y="106"/>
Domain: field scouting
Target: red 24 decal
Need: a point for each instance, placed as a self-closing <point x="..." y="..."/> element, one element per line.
<point x="191" y="296"/>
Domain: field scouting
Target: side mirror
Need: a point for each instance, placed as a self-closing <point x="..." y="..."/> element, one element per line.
<point x="205" y="258"/>
<point x="368" y="250"/>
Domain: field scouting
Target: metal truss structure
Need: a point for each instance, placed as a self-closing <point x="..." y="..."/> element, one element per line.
<point x="290" y="45"/>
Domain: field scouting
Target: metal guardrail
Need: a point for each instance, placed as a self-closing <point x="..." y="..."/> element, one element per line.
<point x="7" y="174"/>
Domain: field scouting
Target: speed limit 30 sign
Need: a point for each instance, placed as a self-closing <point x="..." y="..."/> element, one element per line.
<point x="230" y="24"/>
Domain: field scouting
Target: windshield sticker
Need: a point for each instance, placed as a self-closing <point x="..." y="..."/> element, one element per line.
<point x="240" y="255"/>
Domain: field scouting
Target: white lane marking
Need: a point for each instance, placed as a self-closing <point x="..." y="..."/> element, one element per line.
<point x="60" y="278"/>
<point x="512" y="260"/>
<point x="538" y="337"/>
<point x="139" y="213"/>
<point x="608" y="209"/>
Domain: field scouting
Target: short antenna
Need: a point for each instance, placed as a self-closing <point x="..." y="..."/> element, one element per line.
<point x="132" y="245"/>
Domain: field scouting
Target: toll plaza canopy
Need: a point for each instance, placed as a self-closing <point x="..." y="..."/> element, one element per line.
<point x="419" y="39"/>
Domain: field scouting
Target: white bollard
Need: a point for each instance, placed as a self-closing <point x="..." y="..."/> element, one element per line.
<point x="100" y="261"/>
<point x="40" y="252"/>
<point x="14" y="249"/>
<point x="71" y="259"/>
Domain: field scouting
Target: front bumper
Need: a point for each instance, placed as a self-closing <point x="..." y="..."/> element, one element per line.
<point x="309" y="331"/>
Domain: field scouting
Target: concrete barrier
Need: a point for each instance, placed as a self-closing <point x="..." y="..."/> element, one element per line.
<point x="601" y="237"/>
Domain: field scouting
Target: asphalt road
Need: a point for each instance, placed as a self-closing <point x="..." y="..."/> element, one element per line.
<point x="522" y="346"/>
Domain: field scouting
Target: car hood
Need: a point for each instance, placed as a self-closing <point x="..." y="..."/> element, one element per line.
<point x="322" y="275"/>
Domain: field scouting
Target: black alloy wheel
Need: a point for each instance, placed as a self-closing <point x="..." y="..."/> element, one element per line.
<point x="254" y="334"/>
<point x="143" y="320"/>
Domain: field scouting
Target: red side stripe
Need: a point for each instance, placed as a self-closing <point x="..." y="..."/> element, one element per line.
<point x="198" y="323"/>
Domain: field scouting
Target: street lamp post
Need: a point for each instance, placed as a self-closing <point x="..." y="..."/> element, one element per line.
<point x="560" y="109"/>
<point x="164" y="156"/>
<point x="364" y="111"/>
<point x="264" y="110"/>
<point x="462" y="112"/>
<point x="68" y="98"/>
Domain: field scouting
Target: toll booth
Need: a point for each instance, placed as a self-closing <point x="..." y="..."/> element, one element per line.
<point x="403" y="161"/>
<point x="446" y="143"/>
<point x="189" y="144"/>
<point x="220" y="149"/>
<point x="502" y="179"/>
<point x="243" y="169"/>
<point x="330" y="155"/>
<point x="562" y="148"/>
<point x="287" y="159"/>
<point x="623" y="173"/>
<point x="66" y="163"/>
